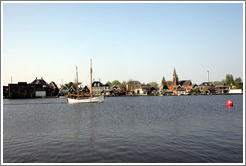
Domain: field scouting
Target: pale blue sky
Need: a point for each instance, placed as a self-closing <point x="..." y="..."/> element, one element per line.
<point x="140" y="41"/>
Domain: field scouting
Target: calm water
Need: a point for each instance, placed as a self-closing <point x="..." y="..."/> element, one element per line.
<point x="158" y="129"/>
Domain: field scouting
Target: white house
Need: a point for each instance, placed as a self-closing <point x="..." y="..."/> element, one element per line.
<point x="236" y="91"/>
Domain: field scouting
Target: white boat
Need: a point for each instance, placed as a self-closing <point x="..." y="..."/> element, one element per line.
<point x="85" y="99"/>
<point x="98" y="99"/>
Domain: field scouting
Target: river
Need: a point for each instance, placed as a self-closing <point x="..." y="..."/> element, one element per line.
<point x="148" y="129"/>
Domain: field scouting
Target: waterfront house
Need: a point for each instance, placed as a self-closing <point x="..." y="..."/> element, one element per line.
<point x="146" y="88"/>
<point x="115" y="90"/>
<point x="207" y="87"/>
<point x="21" y="90"/>
<point x="42" y="88"/>
<point x="64" y="90"/>
<point x="53" y="90"/>
<point x="72" y="90"/>
<point x="98" y="88"/>
<point x="134" y="87"/>
<point x="222" y="89"/>
<point x="86" y="90"/>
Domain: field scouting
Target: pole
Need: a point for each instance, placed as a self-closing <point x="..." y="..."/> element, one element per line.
<point x="91" y="79"/>
<point x="77" y="81"/>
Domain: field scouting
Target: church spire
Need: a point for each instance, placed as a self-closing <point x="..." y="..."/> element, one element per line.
<point x="175" y="82"/>
<point x="174" y="72"/>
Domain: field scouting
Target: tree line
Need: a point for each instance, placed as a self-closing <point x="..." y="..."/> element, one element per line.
<point x="229" y="80"/>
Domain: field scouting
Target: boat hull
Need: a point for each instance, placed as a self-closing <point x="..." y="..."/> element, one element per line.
<point x="98" y="99"/>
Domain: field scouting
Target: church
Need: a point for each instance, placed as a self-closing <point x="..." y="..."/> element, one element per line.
<point x="180" y="87"/>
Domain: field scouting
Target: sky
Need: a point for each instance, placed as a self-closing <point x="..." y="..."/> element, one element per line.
<point x="126" y="41"/>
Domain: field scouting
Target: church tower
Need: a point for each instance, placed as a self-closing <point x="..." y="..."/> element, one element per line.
<point x="175" y="82"/>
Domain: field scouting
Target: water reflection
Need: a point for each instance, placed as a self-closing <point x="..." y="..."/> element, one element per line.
<point x="229" y="119"/>
<point x="91" y="124"/>
<point x="77" y="124"/>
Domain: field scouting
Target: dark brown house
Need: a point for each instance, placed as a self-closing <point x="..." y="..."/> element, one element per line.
<point x="34" y="89"/>
<point x="21" y="90"/>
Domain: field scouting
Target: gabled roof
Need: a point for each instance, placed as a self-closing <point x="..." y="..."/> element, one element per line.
<point x="133" y="82"/>
<point x="71" y="89"/>
<point x="96" y="83"/>
<point x="188" y="88"/>
<point x="85" y="89"/>
<point x="64" y="88"/>
<point x="53" y="84"/>
<point x="185" y="83"/>
<point x="39" y="81"/>
<point x="171" y="87"/>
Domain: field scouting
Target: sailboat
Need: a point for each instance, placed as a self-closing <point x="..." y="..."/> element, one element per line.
<point x="85" y="99"/>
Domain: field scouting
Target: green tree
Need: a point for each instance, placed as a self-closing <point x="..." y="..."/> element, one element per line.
<point x="163" y="82"/>
<point x="238" y="81"/>
<point x="223" y="81"/>
<point x="123" y="86"/>
<point x="239" y="86"/>
<point x="74" y="85"/>
<point x="70" y="84"/>
<point x="177" y="78"/>
<point x="109" y="83"/>
<point x="154" y="84"/>
<point x="229" y="79"/>
<point x="115" y="82"/>
<point x="195" y="91"/>
<point x="217" y="83"/>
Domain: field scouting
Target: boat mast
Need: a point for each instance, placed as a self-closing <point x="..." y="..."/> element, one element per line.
<point x="77" y="81"/>
<point x="91" y="79"/>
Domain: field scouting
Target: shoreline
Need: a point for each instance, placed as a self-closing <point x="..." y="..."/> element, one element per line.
<point x="51" y="97"/>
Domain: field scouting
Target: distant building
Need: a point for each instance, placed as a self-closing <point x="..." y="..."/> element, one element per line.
<point x="21" y="90"/>
<point x="146" y="88"/>
<point x="179" y="87"/>
<point x="53" y="89"/>
<point x="64" y="90"/>
<point x="37" y="88"/>
<point x="222" y="89"/>
<point x="42" y="88"/>
<point x="98" y="88"/>
<point x="115" y="90"/>
<point x="208" y="87"/>
<point x="134" y="87"/>
<point x="86" y="90"/>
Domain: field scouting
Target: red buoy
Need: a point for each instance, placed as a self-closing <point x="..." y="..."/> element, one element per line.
<point x="229" y="103"/>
